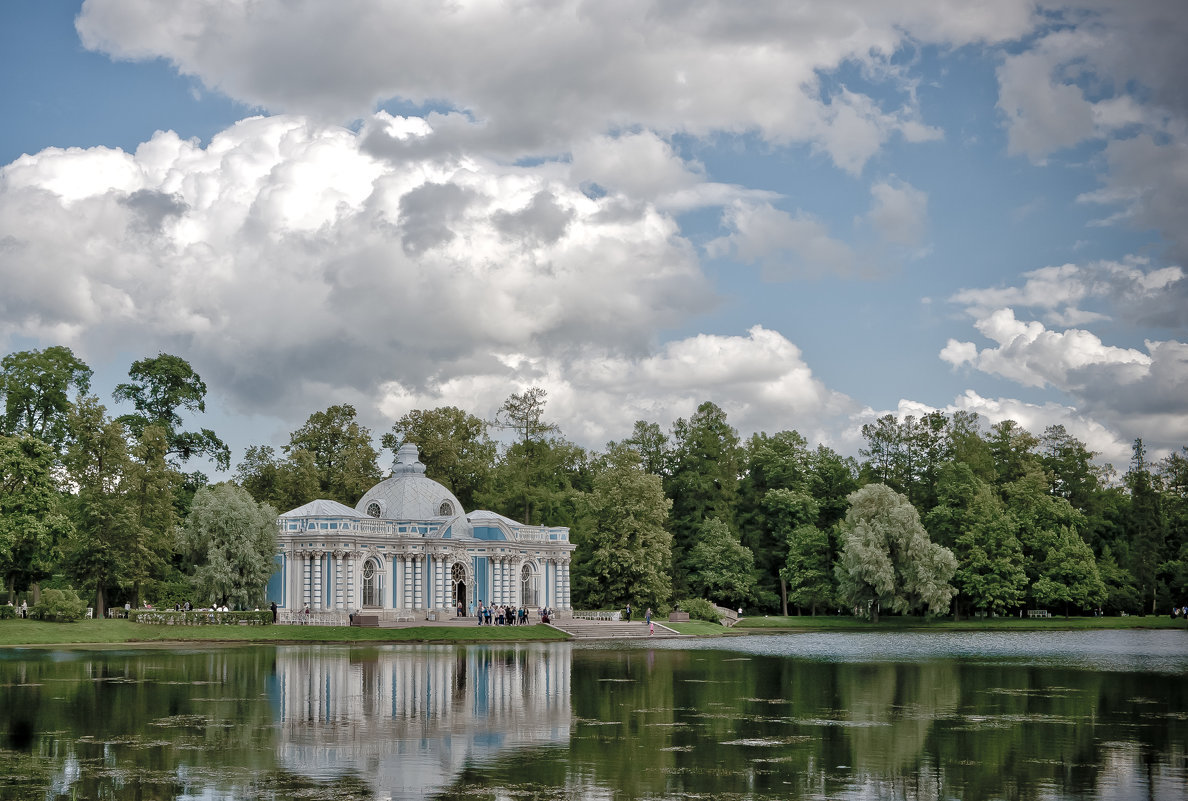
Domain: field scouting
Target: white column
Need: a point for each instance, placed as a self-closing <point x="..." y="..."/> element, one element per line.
<point x="418" y="583"/>
<point x="351" y="576"/>
<point x="517" y="590"/>
<point x="566" y="600"/>
<point x="306" y="579"/>
<point x="446" y="603"/>
<point x="502" y="582"/>
<point x="317" y="580"/>
<point x="338" y="580"/>
<point x="397" y="585"/>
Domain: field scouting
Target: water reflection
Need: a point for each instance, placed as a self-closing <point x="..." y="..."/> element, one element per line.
<point x="411" y="719"/>
<point x="832" y="716"/>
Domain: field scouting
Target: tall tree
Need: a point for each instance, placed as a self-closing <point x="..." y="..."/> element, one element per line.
<point x="97" y="463"/>
<point x="703" y="484"/>
<point x="35" y="386"/>
<point x="808" y="569"/>
<point x="33" y="524"/>
<point x="151" y="489"/>
<point x="626" y="553"/>
<point x="342" y="453"/>
<point x="1013" y="450"/>
<point x="1146" y="526"/>
<point x="1069" y="575"/>
<point x="161" y="387"/>
<point x="990" y="574"/>
<point x="653" y="447"/>
<point x="454" y="446"/>
<point x="785" y="512"/>
<point x="522" y="463"/>
<point x="722" y="569"/>
<point x="772" y="463"/>
<point x="232" y="542"/>
<point x="887" y="558"/>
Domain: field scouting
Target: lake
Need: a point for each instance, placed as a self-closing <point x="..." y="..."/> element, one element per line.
<point x="1060" y="715"/>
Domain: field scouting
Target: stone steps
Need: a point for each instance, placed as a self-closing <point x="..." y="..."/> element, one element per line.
<point x="605" y="629"/>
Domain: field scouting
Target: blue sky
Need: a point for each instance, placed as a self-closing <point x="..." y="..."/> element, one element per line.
<point x="811" y="216"/>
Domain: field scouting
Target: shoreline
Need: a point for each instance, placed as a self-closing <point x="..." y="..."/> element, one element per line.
<point x="92" y="633"/>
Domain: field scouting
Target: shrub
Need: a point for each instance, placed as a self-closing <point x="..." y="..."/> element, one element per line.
<point x="63" y="606"/>
<point x="7" y="612"/>
<point x="699" y="609"/>
<point x="199" y="617"/>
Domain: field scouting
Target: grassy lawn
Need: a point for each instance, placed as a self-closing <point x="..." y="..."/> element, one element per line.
<point x="90" y="632"/>
<point x="699" y="627"/>
<point x="830" y="623"/>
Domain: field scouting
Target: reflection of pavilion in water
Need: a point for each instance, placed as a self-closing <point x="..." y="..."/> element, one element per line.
<point x="407" y="719"/>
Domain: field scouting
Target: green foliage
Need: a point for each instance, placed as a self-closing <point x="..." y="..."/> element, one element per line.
<point x="161" y="386"/>
<point x="703" y="481"/>
<point x="62" y="606"/>
<point x="887" y="558"/>
<point x="35" y="387"/>
<point x="7" y="612"/>
<point x="454" y="448"/>
<point x="33" y="524"/>
<point x="343" y="458"/>
<point x="809" y="570"/>
<point x="720" y="566"/>
<point x="625" y="555"/>
<point x="231" y="540"/>
<point x="699" y="609"/>
<point x="1069" y="576"/>
<point x="200" y="617"/>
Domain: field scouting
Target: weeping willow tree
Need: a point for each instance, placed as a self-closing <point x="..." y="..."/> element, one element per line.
<point x="231" y="541"/>
<point x="887" y="559"/>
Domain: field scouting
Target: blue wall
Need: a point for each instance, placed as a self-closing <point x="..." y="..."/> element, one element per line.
<point x="275" y="591"/>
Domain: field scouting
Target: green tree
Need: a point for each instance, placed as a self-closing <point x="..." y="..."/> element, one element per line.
<point x="151" y="487"/>
<point x="990" y="570"/>
<point x="97" y="463"/>
<point x="721" y="567"/>
<point x="342" y="453"/>
<point x="784" y="511"/>
<point x="232" y="543"/>
<point x="778" y="462"/>
<point x="259" y="473"/>
<point x="161" y="387"/>
<point x="454" y="446"/>
<point x="887" y="558"/>
<point x="1069" y="575"/>
<point x="1013" y="450"/>
<point x="653" y="447"/>
<point x="523" y="465"/>
<point x="706" y="462"/>
<point x="1146" y="527"/>
<point x="626" y="552"/>
<point x="35" y="387"/>
<point x="1039" y="516"/>
<point x="808" y="570"/>
<point x="33" y="524"/>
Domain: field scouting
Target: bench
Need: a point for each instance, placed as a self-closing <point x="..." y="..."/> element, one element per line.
<point x="371" y="621"/>
<point x="1038" y="613"/>
<point x="405" y="617"/>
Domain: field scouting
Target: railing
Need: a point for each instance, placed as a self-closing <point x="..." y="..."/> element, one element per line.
<point x="728" y="617"/>
<point x="595" y="614"/>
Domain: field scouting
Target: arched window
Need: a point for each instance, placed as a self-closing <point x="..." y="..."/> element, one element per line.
<point x="458" y="582"/>
<point x="446" y="509"/>
<point x="373" y="509"/>
<point x="528" y="587"/>
<point x="371" y="588"/>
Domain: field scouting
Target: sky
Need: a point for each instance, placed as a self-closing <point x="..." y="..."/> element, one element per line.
<point x="811" y="214"/>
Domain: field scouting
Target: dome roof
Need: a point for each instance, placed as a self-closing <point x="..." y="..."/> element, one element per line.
<point x="408" y="494"/>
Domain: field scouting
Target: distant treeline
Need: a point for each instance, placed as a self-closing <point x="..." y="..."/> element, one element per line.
<point x="973" y="518"/>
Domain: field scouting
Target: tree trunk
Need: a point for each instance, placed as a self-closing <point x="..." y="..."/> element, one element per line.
<point x="36" y="590"/>
<point x="784" y="594"/>
<point x="874" y="613"/>
<point x="100" y="602"/>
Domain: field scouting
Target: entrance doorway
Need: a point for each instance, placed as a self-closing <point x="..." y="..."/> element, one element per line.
<point x="458" y="578"/>
<point x="371" y="588"/>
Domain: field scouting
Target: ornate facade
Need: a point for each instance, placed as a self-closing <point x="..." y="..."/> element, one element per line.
<point x="408" y="549"/>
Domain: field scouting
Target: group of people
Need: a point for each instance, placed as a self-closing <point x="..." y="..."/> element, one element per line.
<point x="504" y="615"/>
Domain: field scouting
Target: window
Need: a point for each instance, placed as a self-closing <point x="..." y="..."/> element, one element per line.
<point x="446" y="509"/>
<point x="528" y="587"/>
<point x="373" y="509"/>
<point x="371" y="589"/>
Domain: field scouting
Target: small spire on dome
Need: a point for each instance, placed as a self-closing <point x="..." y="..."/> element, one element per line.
<point x="408" y="460"/>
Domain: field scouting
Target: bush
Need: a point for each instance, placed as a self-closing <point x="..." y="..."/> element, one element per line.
<point x="699" y="609"/>
<point x="200" y="617"/>
<point x="7" y="612"/>
<point x="62" y="606"/>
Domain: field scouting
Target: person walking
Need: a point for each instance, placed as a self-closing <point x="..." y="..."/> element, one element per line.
<point x="273" y="607"/>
